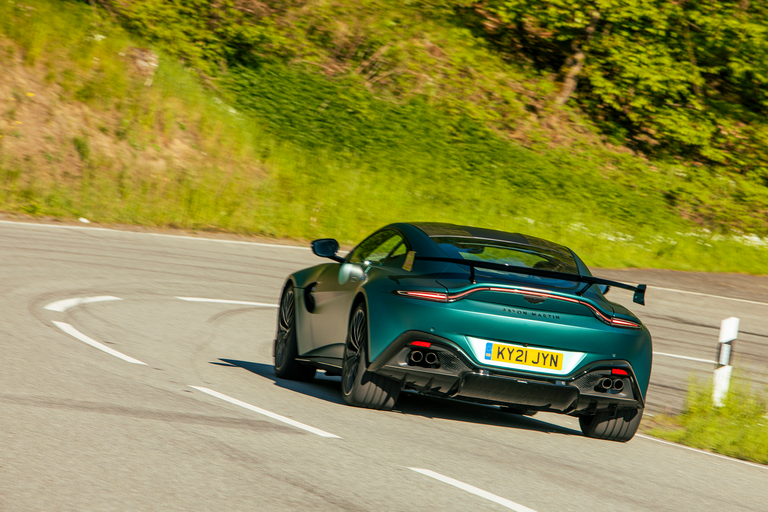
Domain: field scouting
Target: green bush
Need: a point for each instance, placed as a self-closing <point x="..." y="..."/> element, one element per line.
<point x="82" y="147"/>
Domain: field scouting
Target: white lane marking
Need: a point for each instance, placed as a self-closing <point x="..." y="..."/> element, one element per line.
<point x="474" y="490"/>
<point x="269" y="414"/>
<point x="684" y="357"/>
<point x="754" y="464"/>
<point x="259" y="244"/>
<point x="63" y="305"/>
<point x="222" y="301"/>
<point x="95" y="344"/>
<point x="709" y="295"/>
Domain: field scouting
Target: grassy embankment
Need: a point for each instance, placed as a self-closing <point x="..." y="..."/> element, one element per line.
<point x="738" y="429"/>
<point x="298" y="155"/>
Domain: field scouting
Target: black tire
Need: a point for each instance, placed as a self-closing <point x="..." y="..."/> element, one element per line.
<point x="285" y="348"/>
<point x="620" y="426"/>
<point x="359" y="387"/>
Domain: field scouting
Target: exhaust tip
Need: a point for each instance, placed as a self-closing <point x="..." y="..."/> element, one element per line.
<point x="430" y="358"/>
<point x="618" y="384"/>
<point x="417" y="356"/>
<point x="606" y="383"/>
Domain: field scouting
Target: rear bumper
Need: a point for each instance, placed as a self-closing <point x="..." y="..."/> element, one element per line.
<point x="454" y="375"/>
<point x="511" y="391"/>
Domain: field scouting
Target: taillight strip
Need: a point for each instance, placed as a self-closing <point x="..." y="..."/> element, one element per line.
<point x="453" y="297"/>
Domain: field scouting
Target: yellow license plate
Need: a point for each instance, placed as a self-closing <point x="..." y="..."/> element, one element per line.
<point x="524" y="356"/>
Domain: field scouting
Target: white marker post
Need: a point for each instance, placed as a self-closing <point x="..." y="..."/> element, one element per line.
<point x="729" y="331"/>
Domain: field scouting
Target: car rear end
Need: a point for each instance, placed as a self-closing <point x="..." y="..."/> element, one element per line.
<point x="531" y="343"/>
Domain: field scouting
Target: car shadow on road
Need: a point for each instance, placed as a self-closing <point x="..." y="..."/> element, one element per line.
<point x="322" y="387"/>
<point x="410" y="403"/>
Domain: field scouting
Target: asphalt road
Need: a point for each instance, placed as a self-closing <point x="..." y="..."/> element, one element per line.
<point x="193" y="418"/>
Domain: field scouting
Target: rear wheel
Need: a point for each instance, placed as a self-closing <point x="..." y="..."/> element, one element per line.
<point x="360" y="387"/>
<point x="619" y="426"/>
<point x="286" y="349"/>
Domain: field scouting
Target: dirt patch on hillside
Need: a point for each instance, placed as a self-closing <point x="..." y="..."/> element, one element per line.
<point x="46" y="135"/>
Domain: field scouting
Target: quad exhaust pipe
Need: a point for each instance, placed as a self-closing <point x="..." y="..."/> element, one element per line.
<point x="606" y="384"/>
<point x="417" y="357"/>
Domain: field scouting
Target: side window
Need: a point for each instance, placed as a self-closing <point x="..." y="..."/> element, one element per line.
<point x="400" y="250"/>
<point x="378" y="247"/>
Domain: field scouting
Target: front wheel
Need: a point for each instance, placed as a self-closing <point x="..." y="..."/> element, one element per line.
<point x="360" y="387"/>
<point x="286" y="349"/>
<point x="620" y="426"/>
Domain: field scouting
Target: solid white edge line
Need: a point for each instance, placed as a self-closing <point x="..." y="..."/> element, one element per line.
<point x="241" y="242"/>
<point x="709" y="295"/>
<point x="474" y="490"/>
<point x="63" y="305"/>
<point x="754" y="464"/>
<point x="222" y="301"/>
<point x="684" y="357"/>
<point x="95" y="344"/>
<point x="264" y="412"/>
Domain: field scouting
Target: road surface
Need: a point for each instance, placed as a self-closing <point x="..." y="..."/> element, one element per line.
<point x="136" y="375"/>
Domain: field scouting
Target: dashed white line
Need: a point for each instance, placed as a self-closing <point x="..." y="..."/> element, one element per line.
<point x="63" y="305"/>
<point x="684" y="357"/>
<point x="95" y="344"/>
<point x="761" y="466"/>
<point x="474" y="490"/>
<point x="709" y="295"/>
<point x="265" y="412"/>
<point x="222" y="301"/>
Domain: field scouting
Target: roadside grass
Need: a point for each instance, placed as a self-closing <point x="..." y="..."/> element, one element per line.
<point x="282" y="152"/>
<point x="737" y="429"/>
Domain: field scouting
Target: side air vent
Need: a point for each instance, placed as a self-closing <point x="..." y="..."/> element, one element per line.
<point x="309" y="299"/>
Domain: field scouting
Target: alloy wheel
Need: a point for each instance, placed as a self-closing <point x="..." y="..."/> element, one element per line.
<point x="352" y="352"/>
<point x="285" y="327"/>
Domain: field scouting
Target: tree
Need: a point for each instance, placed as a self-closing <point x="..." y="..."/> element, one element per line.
<point x="685" y="77"/>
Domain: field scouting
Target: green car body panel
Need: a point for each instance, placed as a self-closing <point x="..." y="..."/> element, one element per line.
<point x="483" y="310"/>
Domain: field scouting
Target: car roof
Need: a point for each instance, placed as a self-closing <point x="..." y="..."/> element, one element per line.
<point x="441" y="229"/>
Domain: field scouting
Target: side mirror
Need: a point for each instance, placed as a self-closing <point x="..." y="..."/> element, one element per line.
<point x="326" y="248"/>
<point x="604" y="288"/>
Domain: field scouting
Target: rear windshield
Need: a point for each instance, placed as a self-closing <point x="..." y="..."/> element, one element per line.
<point x="506" y="253"/>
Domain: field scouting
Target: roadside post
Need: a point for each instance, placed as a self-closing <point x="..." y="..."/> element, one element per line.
<point x="729" y="331"/>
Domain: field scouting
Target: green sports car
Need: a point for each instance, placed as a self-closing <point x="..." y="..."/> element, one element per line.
<point x="471" y="314"/>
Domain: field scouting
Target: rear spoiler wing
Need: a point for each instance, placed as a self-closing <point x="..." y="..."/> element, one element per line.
<point x="639" y="297"/>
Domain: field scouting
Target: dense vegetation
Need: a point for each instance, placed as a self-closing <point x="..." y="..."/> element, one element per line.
<point x="305" y="119"/>
<point x="683" y="78"/>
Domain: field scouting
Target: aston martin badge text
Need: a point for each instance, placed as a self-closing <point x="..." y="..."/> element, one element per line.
<point x="530" y="314"/>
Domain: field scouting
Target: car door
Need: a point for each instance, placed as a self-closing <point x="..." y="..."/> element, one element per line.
<point x="338" y="285"/>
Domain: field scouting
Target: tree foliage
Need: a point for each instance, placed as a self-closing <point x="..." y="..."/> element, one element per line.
<point x="208" y="34"/>
<point x="687" y="77"/>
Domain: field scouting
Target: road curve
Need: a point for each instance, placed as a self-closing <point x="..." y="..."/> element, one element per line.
<point x="204" y="424"/>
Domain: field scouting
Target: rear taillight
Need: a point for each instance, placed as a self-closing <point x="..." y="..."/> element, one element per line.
<point x="433" y="296"/>
<point x="618" y="322"/>
<point x="447" y="297"/>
